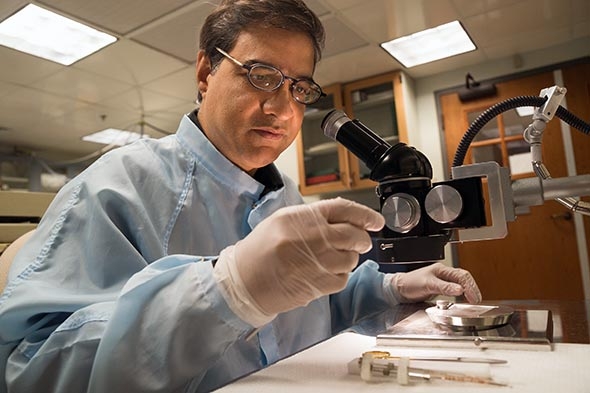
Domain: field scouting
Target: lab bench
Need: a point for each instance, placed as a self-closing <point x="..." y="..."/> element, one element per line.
<point x="325" y="367"/>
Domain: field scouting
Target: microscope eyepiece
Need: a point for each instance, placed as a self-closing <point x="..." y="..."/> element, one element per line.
<point x="333" y="122"/>
<point x="385" y="161"/>
<point x="357" y="138"/>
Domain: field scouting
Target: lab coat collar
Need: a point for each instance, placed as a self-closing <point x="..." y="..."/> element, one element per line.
<point x="192" y="137"/>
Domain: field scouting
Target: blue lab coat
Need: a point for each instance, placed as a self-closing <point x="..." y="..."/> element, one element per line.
<point x="115" y="292"/>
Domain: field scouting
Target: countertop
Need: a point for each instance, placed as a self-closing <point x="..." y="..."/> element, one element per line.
<point x="325" y="366"/>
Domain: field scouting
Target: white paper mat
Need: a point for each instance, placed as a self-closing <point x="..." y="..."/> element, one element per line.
<point x="323" y="368"/>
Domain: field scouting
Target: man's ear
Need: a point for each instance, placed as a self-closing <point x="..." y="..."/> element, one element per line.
<point x="203" y="70"/>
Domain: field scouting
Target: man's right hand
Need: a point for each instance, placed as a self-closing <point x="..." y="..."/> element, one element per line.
<point x="294" y="256"/>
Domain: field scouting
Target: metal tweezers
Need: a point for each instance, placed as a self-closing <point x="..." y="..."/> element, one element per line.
<point x="462" y="359"/>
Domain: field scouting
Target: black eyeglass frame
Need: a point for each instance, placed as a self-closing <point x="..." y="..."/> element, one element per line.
<point x="294" y="81"/>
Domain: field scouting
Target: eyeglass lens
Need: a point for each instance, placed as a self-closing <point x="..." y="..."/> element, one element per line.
<point x="269" y="78"/>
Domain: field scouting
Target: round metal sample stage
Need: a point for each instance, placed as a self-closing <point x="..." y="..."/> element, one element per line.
<point x="469" y="316"/>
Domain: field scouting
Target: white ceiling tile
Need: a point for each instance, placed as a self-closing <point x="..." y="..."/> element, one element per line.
<point x="82" y="85"/>
<point x="507" y="23"/>
<point x="9" y="7"/>
<point x="413" y="16"/>
<point x="117" y="16"/>
<point x="177" y="36"/>
<point x="130" y="62"/>
<point x="7" y="88"/>
<point x="356" y="64"/>
<point x="173" y="114"/>
<point x="141" y="101"/>
<point x="181" y="84"/>
<point x="27" y="100"/>
<point x="40" y="132"/>
<point x="343" y="4"/>
<point x="437" y="12"/>
<point x="44" y="128"/>
<point x="340" y="38"/>
<point x="94" y="118"/>
<point x="527" y="42"/>
<point x="317" y="7"/>
<point x="383" y="20"/>
<point x="375" y="20"/>
<point x="467" y="8"/>
<point x="18" y="67"/>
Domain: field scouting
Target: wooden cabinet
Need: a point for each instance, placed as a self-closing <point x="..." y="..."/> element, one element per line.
<point x="323" y="163"/>
<point x="326" y="166"/>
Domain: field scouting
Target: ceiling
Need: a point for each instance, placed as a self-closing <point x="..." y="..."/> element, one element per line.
<point x="147" y="76"/>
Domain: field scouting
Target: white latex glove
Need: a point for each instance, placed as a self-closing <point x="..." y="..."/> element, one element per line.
<point x="294" y="256"/>
<point x="436" y="279"/>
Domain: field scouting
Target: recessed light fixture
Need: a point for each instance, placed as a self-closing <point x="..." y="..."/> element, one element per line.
<point x="113" y="136"/>
<point x="429" y="45"/>
<point x="39" y="32"/>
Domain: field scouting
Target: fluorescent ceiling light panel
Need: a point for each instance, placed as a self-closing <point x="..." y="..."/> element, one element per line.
<point x="112" y="136"/>
<point x="429" y="45"/>
<point x="45" y="34"/>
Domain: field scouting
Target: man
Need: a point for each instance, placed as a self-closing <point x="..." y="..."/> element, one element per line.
<point x="184" y="263"/>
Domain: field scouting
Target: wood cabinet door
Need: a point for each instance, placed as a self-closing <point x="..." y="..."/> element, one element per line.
<point x="539" y="257"/>
<point x="322" y="162"/>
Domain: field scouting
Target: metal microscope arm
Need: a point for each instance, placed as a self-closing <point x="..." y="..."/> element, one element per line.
<point x="507" y="199"/>
<point x="533" y="135"/>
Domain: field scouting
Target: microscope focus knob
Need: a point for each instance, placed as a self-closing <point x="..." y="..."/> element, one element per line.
<point x="401" y="212"/>
<point x="443" y="204"/>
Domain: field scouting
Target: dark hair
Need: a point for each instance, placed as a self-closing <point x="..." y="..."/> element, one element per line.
<point x="226" y="22"/>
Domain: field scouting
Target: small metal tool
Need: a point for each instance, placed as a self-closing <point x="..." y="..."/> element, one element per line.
<point x="462" y="359"/>
<point x="374" y="364"/>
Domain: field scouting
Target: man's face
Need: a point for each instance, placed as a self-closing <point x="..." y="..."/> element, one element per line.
<point x="249" y="126"/>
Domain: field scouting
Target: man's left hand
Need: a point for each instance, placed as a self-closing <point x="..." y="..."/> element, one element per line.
<point x="437" y="279"/>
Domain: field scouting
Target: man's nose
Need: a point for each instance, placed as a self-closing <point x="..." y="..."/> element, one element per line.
<point x="280" y="102"/>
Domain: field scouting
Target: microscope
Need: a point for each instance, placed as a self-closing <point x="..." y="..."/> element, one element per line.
<point x="421" y="217"/>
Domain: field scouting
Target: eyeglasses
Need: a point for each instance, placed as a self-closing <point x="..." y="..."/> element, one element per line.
<point x="269" y="78"/>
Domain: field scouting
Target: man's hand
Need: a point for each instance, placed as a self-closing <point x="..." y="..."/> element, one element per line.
<point x="294" y="256"/>
<point x="436" y="279"/>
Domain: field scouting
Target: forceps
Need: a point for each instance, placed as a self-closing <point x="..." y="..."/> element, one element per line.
<point x="463" y="359"/>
